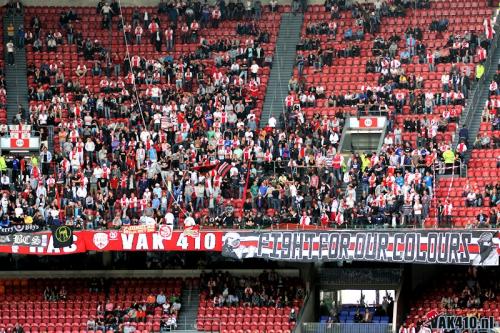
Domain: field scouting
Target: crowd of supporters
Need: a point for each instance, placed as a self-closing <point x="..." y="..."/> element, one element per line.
<point x="162" y="139"/>
<point x="397" y="183"/>
<point x="112" y="317"/>
<point x="269" y="289"/>
<point x="137" y="146"/>
<point x="490" y="139"/>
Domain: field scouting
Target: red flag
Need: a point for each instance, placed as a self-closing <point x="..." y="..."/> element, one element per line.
<point x="204" y="168"/>
<point x="223" y="168"/>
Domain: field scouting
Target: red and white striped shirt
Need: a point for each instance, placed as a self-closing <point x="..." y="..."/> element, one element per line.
<point x="132" y="202"/>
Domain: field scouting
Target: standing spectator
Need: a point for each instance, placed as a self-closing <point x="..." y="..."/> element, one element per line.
<point x="46" y="159"/>
<point x="161" y="299"/>
<point x="10" y="31"/>
<point x="447" y="213"/>
<point x="107" y="13"/>
<point x="138" y="34"/>
<point x="157" y="37"/>
<point x="10" y="52"/>
<point x="20" y="36"/>
<point x="445" y="81"/>
<point x="169" y="38"/>
<point x="479" y="71"/>
<point x="417" y="211"/>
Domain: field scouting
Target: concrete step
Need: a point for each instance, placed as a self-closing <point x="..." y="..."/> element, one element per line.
<point x="15" y="75"/>
<point x="187" y="317"/>
<point x="284" y="60"/>
<point x="473" y="113"/>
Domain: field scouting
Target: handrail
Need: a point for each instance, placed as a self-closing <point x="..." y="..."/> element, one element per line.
<point x="342" y="137"/>
<point x="472" y="107"/>
<point x="382" y="137"/>
<point x="347" y="327"/>
<point x="296" y="329"/>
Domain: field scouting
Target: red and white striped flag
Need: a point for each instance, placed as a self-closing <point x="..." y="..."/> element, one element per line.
<point x="223" y="168"/>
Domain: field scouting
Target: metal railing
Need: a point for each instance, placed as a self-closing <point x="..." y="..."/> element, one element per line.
<point x="373" y="277"/>
<point x="345" y="328"/>
<point x="472" y="107"/>
<point x="296" y="329"/>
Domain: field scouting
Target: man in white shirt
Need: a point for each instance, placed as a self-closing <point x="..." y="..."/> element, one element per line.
<point x="42" y="118"/>
<point x="272" y="122"/>
<point x="90" y="148"/>
<point x="10" y="52"/>
<point x="18" y="211"/>
<point x="169" y="219"/>
<point x="5" y="182"/>
<point x="254" y="70"/>
<point x="445" y="81"/>
<point x="4" y="202"/>
<point x="305" y="220"/>
<point x="147" y="220"/>
<point x="397" y="136"/>
<point x="41" y="191"/>
<point x="98" y="172"/>
<point x="81" y="193"/>
<point x="233" y="172"/>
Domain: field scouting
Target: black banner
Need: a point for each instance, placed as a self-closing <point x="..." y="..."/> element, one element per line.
<point x="20" y="228"/>
<point x="62" y="236"/>
<point x="420" y="246"/>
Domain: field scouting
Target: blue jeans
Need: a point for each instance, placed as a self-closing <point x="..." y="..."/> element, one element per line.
<point x="338" y="174"/>
<point x="276" y="204"/>
<point x="365" y="187"/>
<point x="200" y="203"/>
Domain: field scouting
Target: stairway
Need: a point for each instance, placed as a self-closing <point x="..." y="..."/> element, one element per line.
<point x="283" y="64"/>
<point x="15" y="75"/>
<point x="473" y="120"/>
<point x="189" y="311"/>
<point x="50" y="138"/>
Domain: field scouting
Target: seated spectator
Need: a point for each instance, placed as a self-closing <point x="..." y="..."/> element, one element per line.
<point x="482" y="219"/>
<point x="292" y="318"/>
<point x="357" y="317"/>
<point x="161" y="299"/>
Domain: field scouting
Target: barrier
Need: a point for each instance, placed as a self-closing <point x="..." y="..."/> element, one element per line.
<point x="346" y="328"/>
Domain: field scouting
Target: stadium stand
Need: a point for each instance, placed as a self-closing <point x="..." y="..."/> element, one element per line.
<point x="237" y="303"/>
<point x="72" y="92"/>
<point x="467" y="293"/>
<point x="372" y="56"/>
<point x="139" y="134"/>
<point x="416" y="73"/>
<point x="475" y="199"/>
<point x="97" y="305"/>
<point x="151" y="116"/>
<point x="3" y="92"/>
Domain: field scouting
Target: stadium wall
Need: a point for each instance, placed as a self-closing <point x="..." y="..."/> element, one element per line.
<point x="132" y="273"/>
<point x="145" y="3"/>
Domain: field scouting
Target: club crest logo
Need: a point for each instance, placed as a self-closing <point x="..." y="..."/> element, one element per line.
<point x="165" y="232"/>
<point x="113" y="235"/>
<point x="101" y="240"/>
